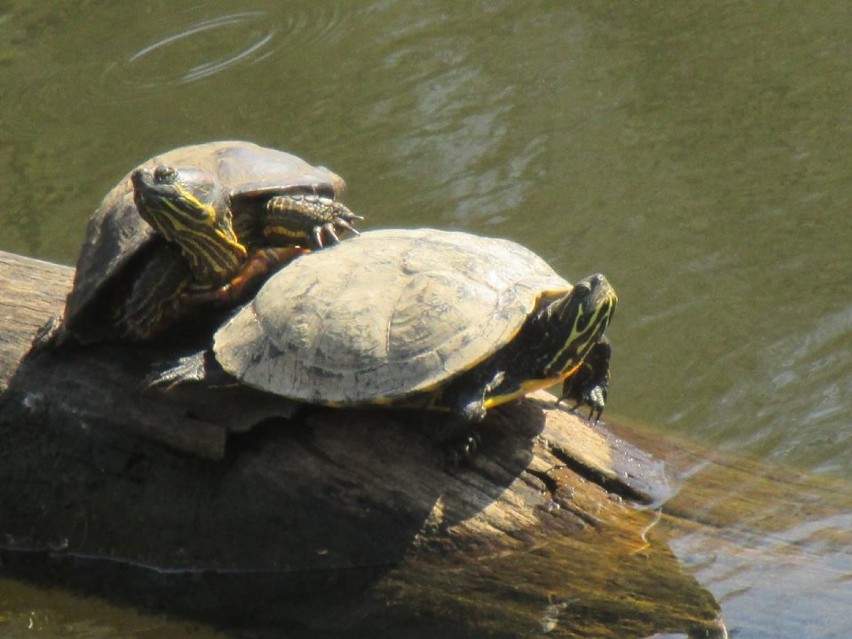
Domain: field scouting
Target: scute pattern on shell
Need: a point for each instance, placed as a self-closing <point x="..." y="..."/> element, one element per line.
<point x="383" y="316"/>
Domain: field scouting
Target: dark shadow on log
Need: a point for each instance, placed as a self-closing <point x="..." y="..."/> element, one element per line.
<point x="323" y="489"/>
<point x="342" y="521"/>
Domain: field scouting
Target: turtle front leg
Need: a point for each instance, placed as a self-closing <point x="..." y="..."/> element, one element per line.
<point x="257" y="268"/>
<point x="588" y="385"/>
<point x="307" y="218"/>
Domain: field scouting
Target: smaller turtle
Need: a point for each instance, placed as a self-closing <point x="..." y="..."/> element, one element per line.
<point x="419" y="318"/>
<point x="199" y="224"/>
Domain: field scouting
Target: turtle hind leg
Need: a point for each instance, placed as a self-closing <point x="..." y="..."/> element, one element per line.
<point x="460" y="437"/>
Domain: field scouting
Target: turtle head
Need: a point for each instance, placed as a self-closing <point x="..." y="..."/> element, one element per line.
<point x="577" y="321"/>
<point x="190" y="209"/>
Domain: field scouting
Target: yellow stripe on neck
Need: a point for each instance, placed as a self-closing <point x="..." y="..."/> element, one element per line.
<point x="528" y="386"/>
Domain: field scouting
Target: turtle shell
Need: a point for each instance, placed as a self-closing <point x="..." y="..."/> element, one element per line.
<point x="116" y="233"/>
<point x="383" y="316"/>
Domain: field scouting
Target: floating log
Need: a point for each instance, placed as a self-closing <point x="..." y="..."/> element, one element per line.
<point x="281" y="507"/>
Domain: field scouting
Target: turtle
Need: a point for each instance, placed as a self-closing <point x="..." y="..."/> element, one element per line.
<point x="421" y="318"/>
<point x="200" y="223"/>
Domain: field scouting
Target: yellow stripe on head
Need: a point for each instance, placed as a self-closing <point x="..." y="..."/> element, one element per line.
<point x="189" y="208"/>
<point x="588" y="307"/>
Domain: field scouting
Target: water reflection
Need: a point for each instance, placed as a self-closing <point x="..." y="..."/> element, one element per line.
<point x="602" y="582"/>
<point x="813" y="373"/>
<point x="457" y="148"/>
<point x="771" y="544"/>
<point x="800" y="576"/>
<point x="28" y="610"/>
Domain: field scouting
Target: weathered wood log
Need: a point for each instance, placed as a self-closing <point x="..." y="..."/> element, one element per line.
<point x="270" y="498"/>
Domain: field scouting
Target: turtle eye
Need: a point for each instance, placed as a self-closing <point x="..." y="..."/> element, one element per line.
<point x="204" y="214"/>
<point x="582" y="288"/>
<point x="165" y="174"/>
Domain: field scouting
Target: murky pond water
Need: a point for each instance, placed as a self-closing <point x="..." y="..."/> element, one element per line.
<point x="697" y="153"/>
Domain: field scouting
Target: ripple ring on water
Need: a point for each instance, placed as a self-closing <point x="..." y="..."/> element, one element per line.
<point x="214" y="66"/>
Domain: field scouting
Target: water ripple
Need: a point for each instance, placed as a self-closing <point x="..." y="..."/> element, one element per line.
<point x="322" y="23"/>
<point x="213" y="45"/>
<point x="159" y="63"/>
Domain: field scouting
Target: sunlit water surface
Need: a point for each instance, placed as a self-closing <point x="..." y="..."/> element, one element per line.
<point x="697" y="153"/>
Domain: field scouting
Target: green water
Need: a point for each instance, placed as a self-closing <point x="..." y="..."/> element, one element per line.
<point x="697" y="153"/>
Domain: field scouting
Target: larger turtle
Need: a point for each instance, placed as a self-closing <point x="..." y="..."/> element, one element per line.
<point x="434" y="319"/>
<point x="196" y="224"/>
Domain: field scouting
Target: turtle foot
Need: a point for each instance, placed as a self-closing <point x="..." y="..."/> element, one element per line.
<point x="50" y="336"/>
<point x="317" y="219"/>
<point x="594" y="398"/>
<point x="190" y="368"/>
<point x="461" y="450"/>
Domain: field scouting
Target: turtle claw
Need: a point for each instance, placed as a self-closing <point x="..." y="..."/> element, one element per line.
<point x="461" y="450"/>
<point x="460" y="439"/>
<point x="316" y="234"/>
<point x="309" y="216"/>
<point x="328" y="227"/>
<point x="343" y="213"/>
<point x="594" y="398"/>
<point x="346" y="225"/>
<point x="341" y="220"/>
<point x="324" y="235"/>
<point x="167" y="375"/>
